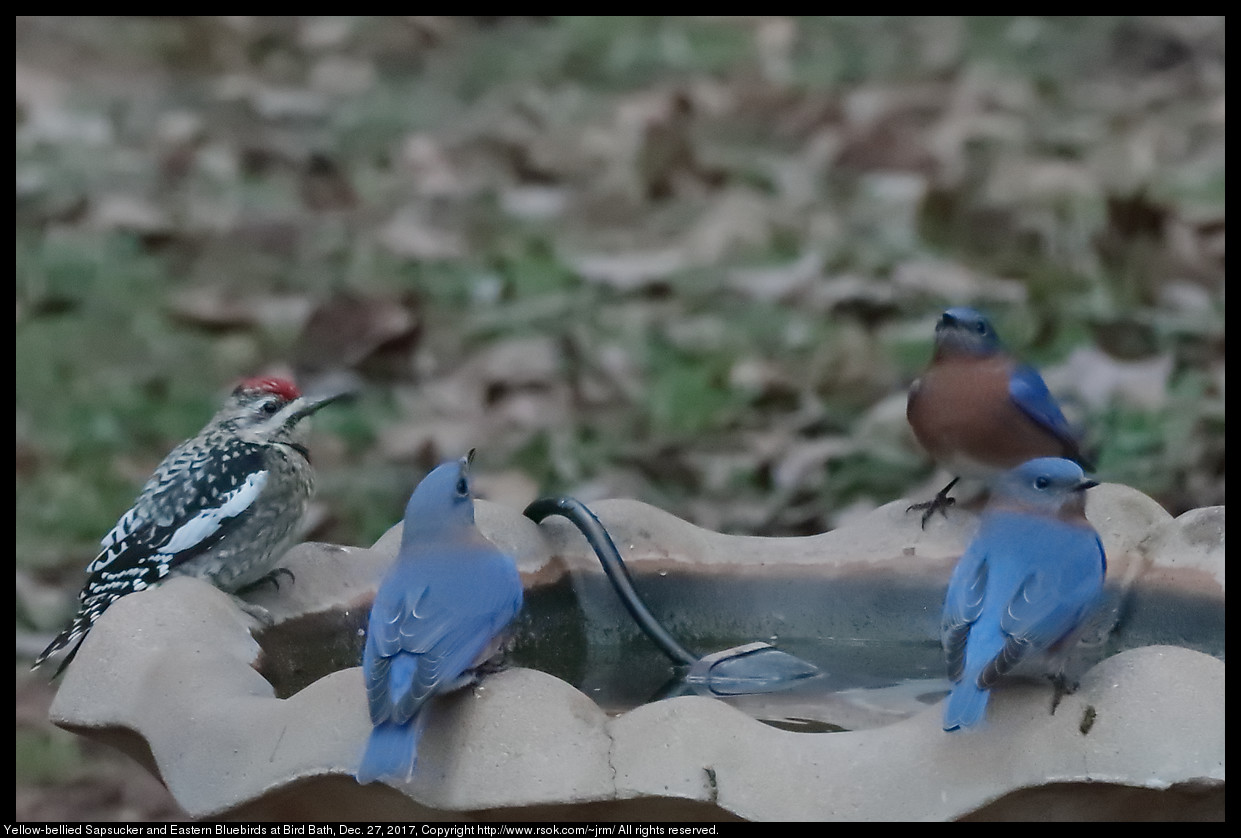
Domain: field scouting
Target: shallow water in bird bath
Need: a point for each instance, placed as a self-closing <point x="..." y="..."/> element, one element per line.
<point x="875" y="641"/>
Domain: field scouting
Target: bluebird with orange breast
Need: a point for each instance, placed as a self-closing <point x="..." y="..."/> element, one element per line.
<point x="978" y="411"/>
<point x="1025" y="587"/>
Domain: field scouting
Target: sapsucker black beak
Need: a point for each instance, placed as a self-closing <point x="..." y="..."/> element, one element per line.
<point x="311" y="402"/>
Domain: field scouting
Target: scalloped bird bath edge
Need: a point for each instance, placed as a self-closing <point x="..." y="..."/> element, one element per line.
<point x="175" y="678"/>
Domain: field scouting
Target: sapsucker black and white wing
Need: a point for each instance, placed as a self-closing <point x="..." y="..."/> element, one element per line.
<point x="185" y="510"/>
<point x="183" y="513"/>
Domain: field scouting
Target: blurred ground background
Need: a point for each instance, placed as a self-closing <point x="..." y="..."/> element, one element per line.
<point x="692" y="261"/>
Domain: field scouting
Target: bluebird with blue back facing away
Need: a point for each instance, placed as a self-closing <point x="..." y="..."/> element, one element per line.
<point x="1025" y="587"/>
<point x="439" y="614"/>
<point x="978" y="411"/>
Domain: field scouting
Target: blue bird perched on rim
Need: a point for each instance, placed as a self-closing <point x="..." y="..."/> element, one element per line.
<point x="978" y="411"/>
<point x="1025" y="587"/>
<point x="439" y="614"/>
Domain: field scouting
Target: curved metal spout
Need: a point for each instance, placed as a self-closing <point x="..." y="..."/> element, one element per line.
<point x="742" y="670"/>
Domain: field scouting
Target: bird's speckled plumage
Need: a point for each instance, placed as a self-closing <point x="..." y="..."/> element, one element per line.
<point x="223" y="506"/>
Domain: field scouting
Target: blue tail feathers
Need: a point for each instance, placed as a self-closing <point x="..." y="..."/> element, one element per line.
<point x="966" y="705"/>
<point x="391" y="752"/>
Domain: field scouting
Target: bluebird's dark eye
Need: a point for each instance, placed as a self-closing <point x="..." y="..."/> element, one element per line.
<point x="1041" y="482"/>
<point x="463" y="487"/>
<point x="981" y="327"/>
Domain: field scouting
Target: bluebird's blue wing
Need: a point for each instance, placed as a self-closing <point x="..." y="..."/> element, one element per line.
<point x="1053" y="599"/>
<point x="425" y="636"/>
<point x="1029" y="392"/>
<point x="962" y="607"/>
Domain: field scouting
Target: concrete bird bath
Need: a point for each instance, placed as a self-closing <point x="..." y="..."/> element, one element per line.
<point x="273" y="728"/>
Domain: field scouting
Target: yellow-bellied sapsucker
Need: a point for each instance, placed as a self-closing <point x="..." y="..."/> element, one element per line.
<point x="223" y="506"/>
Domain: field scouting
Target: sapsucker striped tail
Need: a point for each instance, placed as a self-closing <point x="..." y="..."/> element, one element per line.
<point x="222" y="506"/>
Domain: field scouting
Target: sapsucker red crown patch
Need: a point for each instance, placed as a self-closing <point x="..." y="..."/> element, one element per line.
<point x="282" y="387"/>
